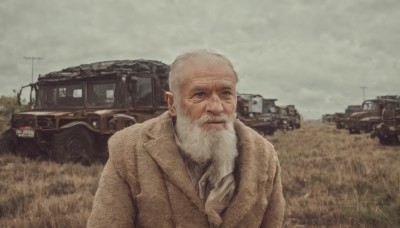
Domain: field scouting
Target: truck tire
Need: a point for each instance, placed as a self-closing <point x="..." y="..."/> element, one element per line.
<point x="8" y="141"/>
<point x="28" y="148"/>
<point x="74" y="145"/>
<point x="354" y="131"/>
<point x="389" y="140"/>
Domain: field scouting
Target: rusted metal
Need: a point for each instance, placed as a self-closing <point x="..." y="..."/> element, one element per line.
<point x="388" y="131"/>
<point x="370" y="116"/>
<point x="257" y="112"/>
<point x="92" y="101"/>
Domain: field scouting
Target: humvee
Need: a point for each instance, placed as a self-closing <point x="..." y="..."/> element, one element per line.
<point x="74" y="111"/>
<point x="257" y="112"/>
<point x="370" y="115"/>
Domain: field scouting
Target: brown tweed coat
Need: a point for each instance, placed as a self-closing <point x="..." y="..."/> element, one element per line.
<point x="145" y="182"/>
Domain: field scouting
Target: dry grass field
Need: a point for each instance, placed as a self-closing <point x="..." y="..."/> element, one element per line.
<point x="330" y="179"/>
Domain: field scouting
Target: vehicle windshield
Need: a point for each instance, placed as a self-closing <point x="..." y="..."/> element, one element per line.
<point x="282" y="111"/>
<point x="268" y="107"/>
<point x="370" y="105"/>
<point x="101" y="94"/>
<point x="291" y="112"/>
<point x="60" y="96"/>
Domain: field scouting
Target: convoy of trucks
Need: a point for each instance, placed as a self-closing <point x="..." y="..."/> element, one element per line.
<point x="70" y="114"/>
<point x="264" y="116"/>
<point x="379" y="117"/>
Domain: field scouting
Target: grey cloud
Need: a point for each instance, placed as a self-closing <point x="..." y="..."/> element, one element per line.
<point x="314" y="54"/>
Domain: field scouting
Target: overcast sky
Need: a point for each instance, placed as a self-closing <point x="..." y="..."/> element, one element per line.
<point x="315" y="54"/>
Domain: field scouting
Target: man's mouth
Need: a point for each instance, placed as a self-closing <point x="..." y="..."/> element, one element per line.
<point x="215" y="122"/>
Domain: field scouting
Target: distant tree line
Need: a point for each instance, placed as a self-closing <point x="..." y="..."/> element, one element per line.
<point x="8" y="105"/>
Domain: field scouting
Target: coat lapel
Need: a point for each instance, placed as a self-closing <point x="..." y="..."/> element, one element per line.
<point x="247" y="183"/>
<point x="165" y="152"/>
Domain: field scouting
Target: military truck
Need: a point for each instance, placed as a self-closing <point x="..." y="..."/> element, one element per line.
<point x="328" y="118"/>
<point x="257" y="112"/>
<point x="370" y="115"/>
<point x="294" y="117"/>
<point x="347" y="113"/>
<point x="74" y="111"/>
<point x="282" y="118"/>
<point x="288" y="118"/>
<point x="388" y="131"/>
<point x="340" y="119"/>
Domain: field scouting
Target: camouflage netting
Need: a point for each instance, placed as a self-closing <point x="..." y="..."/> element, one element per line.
<point x="116" y="67"/>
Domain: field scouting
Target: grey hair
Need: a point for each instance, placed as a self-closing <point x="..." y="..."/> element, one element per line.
<point x="175" y="78"/>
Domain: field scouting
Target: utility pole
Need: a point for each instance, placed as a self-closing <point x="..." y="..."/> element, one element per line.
<point x="363" y="88"/>
<point x="32" y="58"/>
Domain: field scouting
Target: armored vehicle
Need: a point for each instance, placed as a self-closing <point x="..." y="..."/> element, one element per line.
<point x="74" y="111"/>
<point x="257" y="112"/>
<point x="370" y="115"/>
<point x="388" y="131"/>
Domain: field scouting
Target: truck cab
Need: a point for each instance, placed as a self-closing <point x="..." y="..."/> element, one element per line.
<point x="74" y="111"/>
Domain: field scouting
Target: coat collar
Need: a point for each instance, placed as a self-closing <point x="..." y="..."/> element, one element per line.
<point x="164" y="150"/>
<point x="162" y="147"/>
<point x="247" y="179"/>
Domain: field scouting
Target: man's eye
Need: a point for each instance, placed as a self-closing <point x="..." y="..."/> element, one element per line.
<point x="227" y="93"/>
<point x="199" y="94"/>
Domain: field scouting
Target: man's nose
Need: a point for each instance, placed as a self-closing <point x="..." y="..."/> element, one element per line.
<point x="215" y="105"/>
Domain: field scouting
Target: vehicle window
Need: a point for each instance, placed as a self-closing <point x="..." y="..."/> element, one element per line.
<point x="268" y="107"/>
<point x="370" y="105"/>
<point x="141" y="92"/>
<point x="60" y="96"/>
<point x="101" y="94"/>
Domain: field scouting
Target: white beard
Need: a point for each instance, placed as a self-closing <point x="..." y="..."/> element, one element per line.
<point x="203" y="145"/>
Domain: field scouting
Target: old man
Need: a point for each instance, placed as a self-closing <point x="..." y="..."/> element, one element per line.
<point x="195" y="165"/>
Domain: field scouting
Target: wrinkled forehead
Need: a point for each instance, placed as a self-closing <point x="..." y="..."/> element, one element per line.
<point x="207" y="66"/>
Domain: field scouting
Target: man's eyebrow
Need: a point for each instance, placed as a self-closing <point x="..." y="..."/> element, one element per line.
<point x="227" y="87"/>
<point x="198" y="87"/>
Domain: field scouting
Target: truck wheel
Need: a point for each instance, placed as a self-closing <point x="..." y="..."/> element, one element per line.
<point x="28" y="148"/>
<point x="8" y="141"/>
<point x="354" y="131"/>
<point x="73" y="145"/>
<point x="389" y="140"/>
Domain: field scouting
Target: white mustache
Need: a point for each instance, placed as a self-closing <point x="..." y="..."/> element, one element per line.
<point x="213" y="118"/>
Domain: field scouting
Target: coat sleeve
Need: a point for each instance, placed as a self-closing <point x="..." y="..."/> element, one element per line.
<point x="275" y="212"/>
<point x="113" y="205"/>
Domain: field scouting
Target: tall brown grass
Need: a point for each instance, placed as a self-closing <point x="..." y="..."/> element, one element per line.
<point x="330" y="179"/>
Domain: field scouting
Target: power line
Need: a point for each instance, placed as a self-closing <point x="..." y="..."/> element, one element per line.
<point x="32" y="58"/>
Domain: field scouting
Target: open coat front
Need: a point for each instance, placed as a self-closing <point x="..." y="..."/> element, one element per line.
<point x="145" y="182"/>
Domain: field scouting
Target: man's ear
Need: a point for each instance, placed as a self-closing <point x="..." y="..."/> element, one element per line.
<point x="169" y="98"/>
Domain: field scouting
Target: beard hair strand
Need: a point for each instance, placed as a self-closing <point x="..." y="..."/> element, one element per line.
<point x="204" y="145"/>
